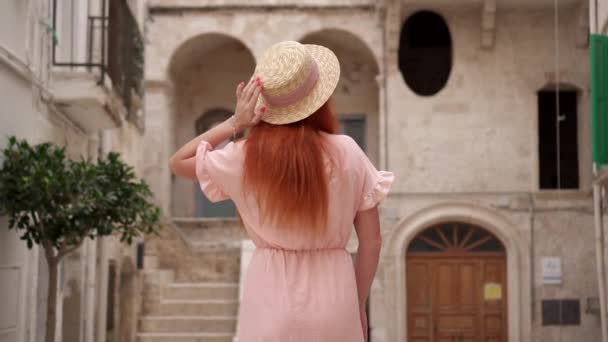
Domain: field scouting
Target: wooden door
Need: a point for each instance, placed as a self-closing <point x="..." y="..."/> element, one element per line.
<point x="456" y="286"/>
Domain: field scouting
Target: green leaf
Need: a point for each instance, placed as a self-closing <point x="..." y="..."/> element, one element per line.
<point x="52" y="199"/>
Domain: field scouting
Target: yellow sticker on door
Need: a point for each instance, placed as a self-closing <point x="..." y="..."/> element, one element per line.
<point x="492" y="291"/>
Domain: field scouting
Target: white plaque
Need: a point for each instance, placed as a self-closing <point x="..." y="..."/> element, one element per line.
<point x="552" y="270"/>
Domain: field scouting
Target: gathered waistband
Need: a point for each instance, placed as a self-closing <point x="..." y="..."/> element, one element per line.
<point x="312" y="250"/>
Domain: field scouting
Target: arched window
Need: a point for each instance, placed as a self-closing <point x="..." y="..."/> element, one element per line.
<point x="425" y="53"/>
<point x="455" y="238"/>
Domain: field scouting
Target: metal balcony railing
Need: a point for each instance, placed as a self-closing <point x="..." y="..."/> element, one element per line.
<point x="96" y="39"/>
<point x="115" y="48"/>
<point x="126" y="57"/>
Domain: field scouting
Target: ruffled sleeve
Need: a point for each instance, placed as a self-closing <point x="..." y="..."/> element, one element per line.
<point x="376" y="188"/>
<point x="209" y="164"/>
<point x="376" y="184"/>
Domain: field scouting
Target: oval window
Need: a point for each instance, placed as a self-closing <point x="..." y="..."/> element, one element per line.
<point x="425" y="53"/>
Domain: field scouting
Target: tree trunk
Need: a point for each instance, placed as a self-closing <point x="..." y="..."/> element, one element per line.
<point x="51" y="305"/>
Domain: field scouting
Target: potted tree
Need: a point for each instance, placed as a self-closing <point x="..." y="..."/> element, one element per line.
<point x="57" y="203"/>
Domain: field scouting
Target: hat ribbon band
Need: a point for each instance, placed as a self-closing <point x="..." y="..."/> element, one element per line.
<point x="297" y="94"/>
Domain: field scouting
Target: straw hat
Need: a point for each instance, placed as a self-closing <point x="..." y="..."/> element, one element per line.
<point x="297" y="78"/>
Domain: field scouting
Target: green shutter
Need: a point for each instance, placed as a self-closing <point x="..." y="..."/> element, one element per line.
<point x="599" y="99"/>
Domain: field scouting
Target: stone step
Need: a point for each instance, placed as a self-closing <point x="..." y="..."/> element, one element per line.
<point x="158" y="276"/>
<point x="187" y="324"/>
<point x="151" y="262"/>
<point x="201" y="291"/>
<point x="184" y="337"/>
<point x="213" y="307"/>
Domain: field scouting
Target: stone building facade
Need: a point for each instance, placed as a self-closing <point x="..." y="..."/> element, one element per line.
<point x="459" y="100"/>
<point x="47" y="97"/>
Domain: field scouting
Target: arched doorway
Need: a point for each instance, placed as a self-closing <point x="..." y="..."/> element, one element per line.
<point x="356" y="99"/>
<point x="205" y="71"/>
<point x="456" y="285"/>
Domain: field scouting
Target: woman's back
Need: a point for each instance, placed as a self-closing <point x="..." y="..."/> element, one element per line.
<point x="354" y="185"/>
<point x="299" y="284"/>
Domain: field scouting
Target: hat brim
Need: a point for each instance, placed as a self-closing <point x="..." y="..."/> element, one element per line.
<point x="329" y="75"/>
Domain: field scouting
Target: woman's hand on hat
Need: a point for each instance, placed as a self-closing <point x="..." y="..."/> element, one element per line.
<point x="246" y="114"/>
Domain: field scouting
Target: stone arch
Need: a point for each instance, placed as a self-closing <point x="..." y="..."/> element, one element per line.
<point x="411" y="226"/>
<point x="336" y="37"/>
<point x="199" y="45"/>
<point x="356" y="100"/>
<point x="204" y="71"/>
<point x="210" y="118"/>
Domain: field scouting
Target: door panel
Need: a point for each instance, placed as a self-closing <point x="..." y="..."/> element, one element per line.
<point x="467" y="285"/>
<point x="448" y="301"/>
<point x="419" y="299"/>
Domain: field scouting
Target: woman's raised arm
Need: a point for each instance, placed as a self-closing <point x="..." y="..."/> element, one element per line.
<point x="183" y="162"/>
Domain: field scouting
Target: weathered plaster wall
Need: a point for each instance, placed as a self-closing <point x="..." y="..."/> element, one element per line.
<point x="480" y="132"/>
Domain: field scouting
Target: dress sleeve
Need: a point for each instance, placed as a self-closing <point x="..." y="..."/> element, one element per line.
<point x="376" y="184"/>
<point x="209" y="166"/>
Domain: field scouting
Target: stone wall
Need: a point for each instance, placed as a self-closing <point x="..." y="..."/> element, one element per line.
<point x="480" y="132"/>
<point x="26" y="114"/>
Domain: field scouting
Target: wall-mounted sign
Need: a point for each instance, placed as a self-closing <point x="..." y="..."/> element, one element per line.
<point x="492" y="291"/>
<point x="552" y="270"/>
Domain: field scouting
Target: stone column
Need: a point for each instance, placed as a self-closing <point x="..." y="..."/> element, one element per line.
<point x="389" y="66"/>
<point x="159" y="141"/>
<point x="382" y="121"/>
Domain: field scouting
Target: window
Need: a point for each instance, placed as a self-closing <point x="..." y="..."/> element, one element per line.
<point x="455" y="238"/>
<point x="204" y="207"/>
<point x="561" y="312"/>
<point x="558" y="149"/>
<point x="425" y="53"/>
<point x="354" y="126"/>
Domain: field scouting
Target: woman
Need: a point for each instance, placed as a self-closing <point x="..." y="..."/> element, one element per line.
<point x="298" y="188"/>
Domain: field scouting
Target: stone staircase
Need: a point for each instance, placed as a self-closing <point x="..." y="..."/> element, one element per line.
<point x="183" y="300"/>
<point x="187" y="312"/>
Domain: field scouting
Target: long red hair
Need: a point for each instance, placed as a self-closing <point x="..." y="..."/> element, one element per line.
<point x="284" y="170"/>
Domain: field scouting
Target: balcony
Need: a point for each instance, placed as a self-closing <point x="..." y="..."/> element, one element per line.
<point x="97" y="64"/>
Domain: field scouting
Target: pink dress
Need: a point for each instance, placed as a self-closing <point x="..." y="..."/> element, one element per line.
<point x="299" y="288"/>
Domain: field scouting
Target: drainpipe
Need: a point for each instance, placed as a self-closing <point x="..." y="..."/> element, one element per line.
<point x="599" y="254"/>
<point x="91" y="264"/>
<point x="102" y="246"/>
